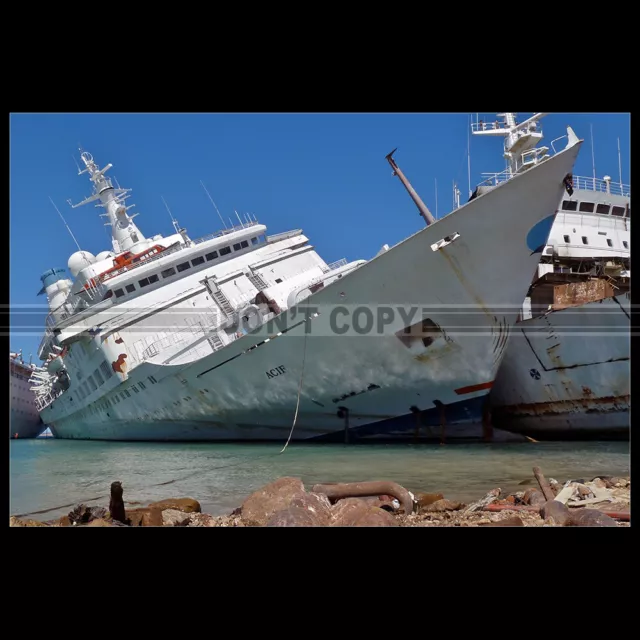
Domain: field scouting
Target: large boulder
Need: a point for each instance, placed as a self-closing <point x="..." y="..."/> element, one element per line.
<point x="425" y="499"/>
<point x="442" y="505"/>
<point x="175" y="518"/>
<point x="353" y="512"/>
<point x="144" y="517"/>
<point x="186" y="505"/>
<point x="534" y="497"/>
<point x="308" y="510"/>
<point x="555" y="512"/>
<point x="591" y="518"/>
<point x="264" y="503"/>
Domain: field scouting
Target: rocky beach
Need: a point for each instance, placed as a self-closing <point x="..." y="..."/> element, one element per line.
<point x="286" y="502"/>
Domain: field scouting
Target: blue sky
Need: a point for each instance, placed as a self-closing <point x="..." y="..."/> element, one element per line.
<point x="324" y="173"/>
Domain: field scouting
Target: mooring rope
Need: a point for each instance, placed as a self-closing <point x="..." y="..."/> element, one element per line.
<point x="295" y="417"/>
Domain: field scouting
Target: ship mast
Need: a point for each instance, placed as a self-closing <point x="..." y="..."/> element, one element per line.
<point x="519" y="140"/>
<point x="124" y="232"/>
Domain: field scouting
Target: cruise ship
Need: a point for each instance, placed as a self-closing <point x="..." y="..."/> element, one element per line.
<point x="242" y="335"/>
<point x="24" y="420"/>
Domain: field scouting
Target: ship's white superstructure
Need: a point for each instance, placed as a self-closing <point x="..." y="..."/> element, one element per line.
<point x="24" y="420"/>
<point x="240" y="334"/>
<point x="565" y="372"/>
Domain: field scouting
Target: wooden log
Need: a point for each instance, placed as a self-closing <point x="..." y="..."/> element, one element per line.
<point x="544" y="485"/>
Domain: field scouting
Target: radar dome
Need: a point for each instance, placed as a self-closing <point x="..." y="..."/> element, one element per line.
<point x="79" y="261"/>
<point x="104" y="255"/>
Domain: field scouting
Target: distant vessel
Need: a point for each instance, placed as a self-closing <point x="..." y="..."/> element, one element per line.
<point x="169" y="338"/>
<point x="565" y="373"/>
<point x="24" y="419"/>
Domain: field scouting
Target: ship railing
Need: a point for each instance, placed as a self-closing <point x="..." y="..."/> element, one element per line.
<point x="496" y="125"/>
<point x="42" y="402"/>
<point x="494" y="179"/>
<point x="602" y="186"/>
<point x="284" y="236"/>
<point x="225" y="232"/>
<point x="178" y="246"/>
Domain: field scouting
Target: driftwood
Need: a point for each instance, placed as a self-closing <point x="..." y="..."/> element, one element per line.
<point x="362" y="489"/>
<point x="544" y="485"/>
<point x="625" y="516"/>
<point x="492" y="496"/>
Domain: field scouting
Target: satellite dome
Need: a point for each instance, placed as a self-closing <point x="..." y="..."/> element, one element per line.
<point x="104" y="255"/>
<point x="80" y="260"/>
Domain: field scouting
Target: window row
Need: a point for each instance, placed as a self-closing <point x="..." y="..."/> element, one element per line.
<point x="179" y="268"/>
<point x="116" y="398"/>
<point x="95" y="380"/>
<point x="589" y="207"/>
<point x="585" y="240"/>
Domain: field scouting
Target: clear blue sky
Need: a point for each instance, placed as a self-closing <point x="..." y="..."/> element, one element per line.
<point x="325" y="173"/>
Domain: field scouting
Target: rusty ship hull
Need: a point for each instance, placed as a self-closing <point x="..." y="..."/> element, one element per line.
<point x="565" y="374"/>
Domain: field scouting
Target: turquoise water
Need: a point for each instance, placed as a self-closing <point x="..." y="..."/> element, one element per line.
<point x="48" y="474"/>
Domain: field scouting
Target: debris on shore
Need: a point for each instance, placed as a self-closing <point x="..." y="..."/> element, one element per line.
<point x="600" y="502"/>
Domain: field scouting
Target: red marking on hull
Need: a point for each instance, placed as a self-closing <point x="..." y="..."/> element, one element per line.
<point x="474" y="387"/>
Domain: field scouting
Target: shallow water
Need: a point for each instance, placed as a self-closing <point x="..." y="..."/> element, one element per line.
<point x="49" y="474"/>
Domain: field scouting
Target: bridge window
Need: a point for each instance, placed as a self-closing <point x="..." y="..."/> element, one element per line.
<point x="603" y="209"/>
<point x="254" y="240"/>
<point x="153" y="278"/>
<point x="92" y="383"/>
<point x="98" y="376"/>
<point x="567" y="239"/>
<point x="196" y="261"/>
<point x="585" y="240"/>
<point x="211" y="256"/>
<point x="587" y="207"/>
<point x="106" y="370"/>
<point x="236" y="246"/>
<point x="617" y="211"/>
<point x="183" y="267"/>
<point x="625" y="244"/>
<point x="119" y="293"/>
<point x="225" y="251"/>
<point x="130" y="288"/>
<point x="610" y="242"/>
<point x="244" y="244"/>
<point x="144" y="282"/>
<point x="167" y="273"/>
<point x="569" y="205"/>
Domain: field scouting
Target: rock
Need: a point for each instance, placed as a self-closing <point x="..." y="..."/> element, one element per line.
<point x="144" y="517"/>
<point x="601" y="483"/>
<point x="620" y="482"/>
<point x="425" y="499"/>
<point x="308" y="510"/>
<point x="591" y="518"/>
<point x="186" y="505"/>
<point x="555" y="485"/>
<point x="174" y="518"/>
<point x="201" y="520"/>
<point x="584" y="491"/>
<point x="100" y="522"/>
<point x="19" y="522"/>
<point x="533" y="497"/>
<point x="263" y="504"/>
<point x="354" y="512"/>
<point x="510" y="499"/>
<point x="63" y="521"/>
<point x="507" y="522"/>
<point x="83" y="514"/>
<point x="555" y="512"/>
<point x="442" y="505"/>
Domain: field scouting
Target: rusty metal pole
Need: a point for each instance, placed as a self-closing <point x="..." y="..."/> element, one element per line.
<point x="422" y="207"/>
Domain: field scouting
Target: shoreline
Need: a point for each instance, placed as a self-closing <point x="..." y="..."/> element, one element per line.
<point x="600" y="501"/>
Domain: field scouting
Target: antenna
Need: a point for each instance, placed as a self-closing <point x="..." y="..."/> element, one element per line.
<point x="620" y="167"/>
<point x="214" y="204"/>
<point x="77" y="165"/>
<point x="436" y="179"/>
<point x="469" y="156"/>
<point x="65" y="224"/>
<point x="239" y="220"/>
<point x="593" y="159"/>
<point x="173" y="220"/>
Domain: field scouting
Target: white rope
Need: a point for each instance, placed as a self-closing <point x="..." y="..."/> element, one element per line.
<point x="295" y="417"/>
